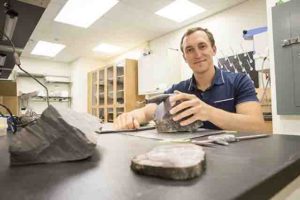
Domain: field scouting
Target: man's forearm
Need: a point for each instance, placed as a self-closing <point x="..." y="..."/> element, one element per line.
<point x="234" y="121"/>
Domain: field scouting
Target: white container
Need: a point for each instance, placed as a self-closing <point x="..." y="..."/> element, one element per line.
<point x="3" y="126"/>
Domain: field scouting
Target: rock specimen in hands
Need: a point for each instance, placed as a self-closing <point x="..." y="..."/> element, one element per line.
<point x="165" y="123"/>
<point x="175" y="161"/>
<point x="58" y="135"/>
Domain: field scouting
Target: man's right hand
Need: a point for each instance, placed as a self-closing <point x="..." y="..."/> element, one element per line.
<point x="126" y="121"/>
<point x="133" y="119"/>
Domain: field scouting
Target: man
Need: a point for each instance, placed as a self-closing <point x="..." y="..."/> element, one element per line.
<point x="222" y="100"/>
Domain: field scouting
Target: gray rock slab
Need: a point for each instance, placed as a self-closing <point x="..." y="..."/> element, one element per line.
<point x="175" y="161"/>
<point x="165" y="123"/>
<point x="58" y="135"/>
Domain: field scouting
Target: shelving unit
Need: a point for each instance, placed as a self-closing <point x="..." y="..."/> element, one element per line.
<point x="51" y="98"/>
<point x="59" y="88"/>
<point x="113" y="90"/>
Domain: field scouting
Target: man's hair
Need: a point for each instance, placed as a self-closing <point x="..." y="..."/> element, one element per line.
<point x="193" y="30"/>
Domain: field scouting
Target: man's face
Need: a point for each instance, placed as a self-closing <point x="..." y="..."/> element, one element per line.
<point x="198" y="52"/>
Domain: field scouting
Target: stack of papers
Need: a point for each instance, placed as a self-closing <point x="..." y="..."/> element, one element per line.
<point x="149" y="131"/>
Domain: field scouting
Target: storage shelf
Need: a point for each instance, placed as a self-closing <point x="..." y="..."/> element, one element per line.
<point x="52" y="99"/>
<point x="115" y="91"/>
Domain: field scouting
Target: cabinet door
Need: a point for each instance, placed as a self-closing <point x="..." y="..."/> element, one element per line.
<point x="101" y="114"/>
<point x="120" y="85"/>
<point x="295" y="33"/>
<point x="146" y="75"/>
<point x="287" y="57"/>
<point x="157" y="72"/>
<point x="119" y="111"/>
<point x="94" y="111"/>
<point x="110" y="114"/>
<point x="94" y="88"/>
<point x="110" y="86"/>
<point x="101" y="87"/>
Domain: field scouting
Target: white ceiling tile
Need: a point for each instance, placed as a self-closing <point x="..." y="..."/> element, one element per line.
<point x="128" y="24"/>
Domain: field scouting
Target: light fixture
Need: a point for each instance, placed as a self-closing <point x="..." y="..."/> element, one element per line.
<point x="49" y="49"/>
<point x="11" y="18"/>
<point x="107" y="48"/>
<point x="84" y="13"/>
<point x="180" y="10"/>
<point x="2" y="59"/>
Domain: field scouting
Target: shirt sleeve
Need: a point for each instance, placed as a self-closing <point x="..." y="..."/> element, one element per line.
<point x="170" y="90"/>
<point x="245" y="90"/>
<point x="181" y="86"/>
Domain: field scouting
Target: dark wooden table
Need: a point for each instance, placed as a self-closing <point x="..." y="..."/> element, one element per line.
<point x="255" y="169"/>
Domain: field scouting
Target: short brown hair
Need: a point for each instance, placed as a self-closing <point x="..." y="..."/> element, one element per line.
<point x="192" y="30"/>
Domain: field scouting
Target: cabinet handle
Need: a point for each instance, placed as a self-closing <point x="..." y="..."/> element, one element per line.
<point x="291" y="41"/>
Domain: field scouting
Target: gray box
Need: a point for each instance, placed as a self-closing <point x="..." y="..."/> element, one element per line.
<point x="286" y="36"/>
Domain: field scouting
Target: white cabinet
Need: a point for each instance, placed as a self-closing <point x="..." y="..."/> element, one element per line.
<point x="158" y="71"/>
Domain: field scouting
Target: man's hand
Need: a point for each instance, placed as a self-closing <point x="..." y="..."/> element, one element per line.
<point x="133" y="119"/>
<point x="248" y="116"/>
<point x="126" y="121"/>
<point x="191" y="106"/>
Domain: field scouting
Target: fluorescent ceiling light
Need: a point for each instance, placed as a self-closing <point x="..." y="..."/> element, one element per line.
<point x="43" y="48"/>
<point x="11" y="18"/>
<point x="84" y="13"/>
<point x="107" y="48"/>
<point x="180" y="10"/>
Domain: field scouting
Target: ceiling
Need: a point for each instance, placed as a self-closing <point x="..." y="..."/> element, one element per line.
<point x="128" y="24"/>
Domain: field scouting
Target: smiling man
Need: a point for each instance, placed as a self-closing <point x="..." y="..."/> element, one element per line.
<point x="222" y="100"/>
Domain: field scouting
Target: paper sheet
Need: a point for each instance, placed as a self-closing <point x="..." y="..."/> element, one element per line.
<point x="151" y="133"/>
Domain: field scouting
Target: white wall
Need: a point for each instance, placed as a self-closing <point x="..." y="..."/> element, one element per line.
<point x="134" y="53"/>
<point x="227" y="27"/>
<point x="39" y="66"/>
<point x="283" y="124"/>
<point x="76" y="70"/>
<point x="79" y="77"/>
<point x="45" y="67"/>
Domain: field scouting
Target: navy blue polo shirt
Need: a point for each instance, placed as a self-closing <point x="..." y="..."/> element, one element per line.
<point x="227" y="90"/>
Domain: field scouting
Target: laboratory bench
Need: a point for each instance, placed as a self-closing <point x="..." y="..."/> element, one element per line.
<point x="252" y="169"/>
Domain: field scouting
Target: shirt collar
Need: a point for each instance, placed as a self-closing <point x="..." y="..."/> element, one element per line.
<point x="218" y="80"/>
